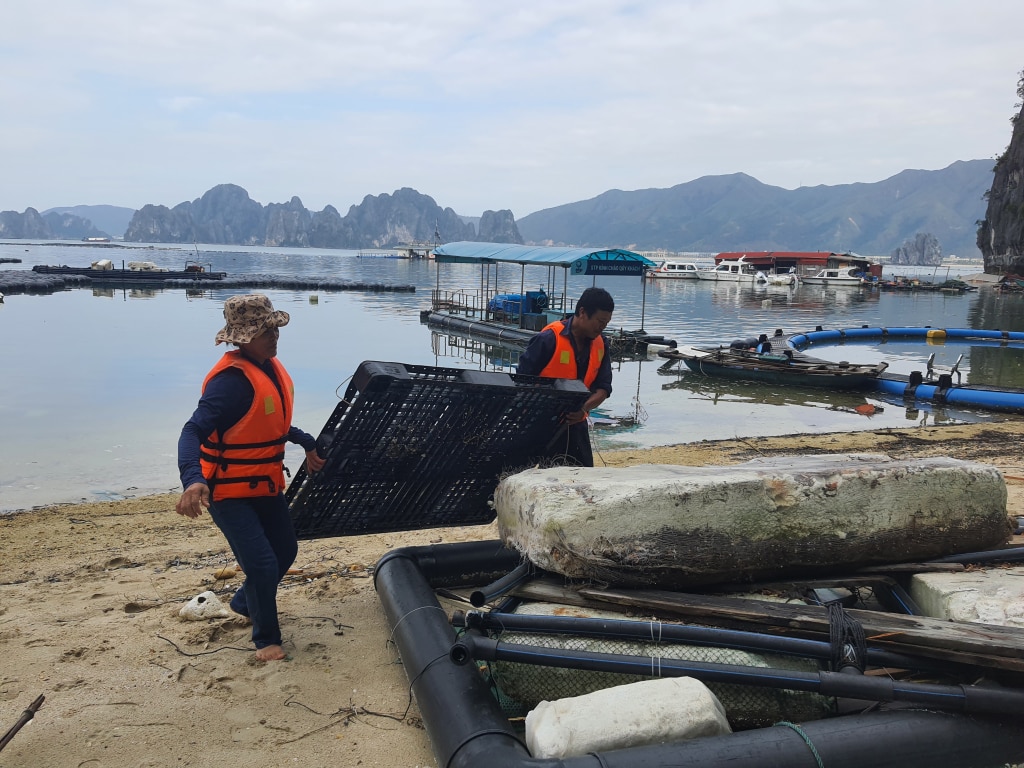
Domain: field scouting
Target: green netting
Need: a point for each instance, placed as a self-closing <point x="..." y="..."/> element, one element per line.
<point x="746" y="706"/>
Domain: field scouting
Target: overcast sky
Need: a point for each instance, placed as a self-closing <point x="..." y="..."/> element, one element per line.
<point x="489" y="105"/>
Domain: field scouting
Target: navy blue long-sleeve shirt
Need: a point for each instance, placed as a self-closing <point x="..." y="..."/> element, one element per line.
<point x="227" y="399"/>
<point x="539" y="351"/>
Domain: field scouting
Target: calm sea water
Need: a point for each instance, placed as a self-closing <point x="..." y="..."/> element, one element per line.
<point x="96" y="383"/>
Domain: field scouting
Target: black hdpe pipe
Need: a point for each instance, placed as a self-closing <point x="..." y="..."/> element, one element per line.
<point x="25" y="718"/>
<point x="957" y="698"/>
<point x="1008" y="555"/>
<point x="518" y="575"/>
<point x="459" y="711"/>
<point x="468" y="730"/>
<point x="656" y="631"/>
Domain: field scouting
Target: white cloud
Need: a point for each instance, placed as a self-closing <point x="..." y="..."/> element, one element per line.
<point x="484" y="105"/>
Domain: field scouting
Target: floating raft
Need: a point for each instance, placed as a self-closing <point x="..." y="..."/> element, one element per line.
<point x="14" y="281"/>
<point x="622" y="344"/>
<point x="130" y="275"/>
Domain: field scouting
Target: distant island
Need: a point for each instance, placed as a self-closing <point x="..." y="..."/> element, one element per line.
<point x="711" y="214"/>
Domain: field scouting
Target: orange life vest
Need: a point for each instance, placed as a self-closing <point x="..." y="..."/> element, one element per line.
<point x="248" y="459"/>
<point x="562" y="364"/>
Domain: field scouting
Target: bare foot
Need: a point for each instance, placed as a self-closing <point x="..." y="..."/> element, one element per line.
<point x="270" y="653"/>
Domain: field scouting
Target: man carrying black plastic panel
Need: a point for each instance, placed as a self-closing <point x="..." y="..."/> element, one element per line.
<point x="575" y="349"/>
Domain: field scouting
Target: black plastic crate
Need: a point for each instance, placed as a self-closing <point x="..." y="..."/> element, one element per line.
<point x="413" y="447"/>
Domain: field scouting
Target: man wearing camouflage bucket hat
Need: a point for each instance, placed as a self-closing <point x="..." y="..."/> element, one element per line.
<point x="231" y="460"/>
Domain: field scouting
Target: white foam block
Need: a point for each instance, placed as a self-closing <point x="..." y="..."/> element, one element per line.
<point x="990" y="596"/>
<point x="637" y="714"/>
<point x="671" y="525"/>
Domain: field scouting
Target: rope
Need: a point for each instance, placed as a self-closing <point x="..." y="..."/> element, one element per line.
<point x="806" y="739"/>
<point x="656" y="636"/>
<point x="849" y="645"/>
<point x="656" y="666"/>
<point x="391" y="639"/>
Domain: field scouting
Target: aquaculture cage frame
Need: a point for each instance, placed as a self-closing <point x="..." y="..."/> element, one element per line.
<point x="468" y="729"/>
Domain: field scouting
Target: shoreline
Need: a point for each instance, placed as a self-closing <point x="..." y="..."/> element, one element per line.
<point x="728" y="450"/>
<point x="89" y="601"/>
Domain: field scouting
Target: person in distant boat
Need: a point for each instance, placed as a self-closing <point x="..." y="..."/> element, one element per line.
<point x="764" y="346"/>
<point x="231" y="460"/>
<point x="575" y="349"/>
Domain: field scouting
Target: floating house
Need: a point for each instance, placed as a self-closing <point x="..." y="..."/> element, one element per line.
<point x="501" y="309"/>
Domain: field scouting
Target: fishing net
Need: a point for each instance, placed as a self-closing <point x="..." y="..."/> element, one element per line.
<point x="520" y="687"/>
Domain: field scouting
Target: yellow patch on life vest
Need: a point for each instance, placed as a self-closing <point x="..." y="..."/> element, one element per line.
<point x="565" y="357"/>
<point x="268" y="405"/>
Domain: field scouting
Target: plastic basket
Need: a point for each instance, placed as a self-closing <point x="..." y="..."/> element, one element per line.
<point x="412" y="447"/>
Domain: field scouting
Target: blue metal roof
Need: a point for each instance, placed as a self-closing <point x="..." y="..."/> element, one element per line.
<point x="582" y="261"/>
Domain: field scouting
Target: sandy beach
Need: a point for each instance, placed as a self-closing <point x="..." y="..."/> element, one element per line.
<point x="89" y="602"/>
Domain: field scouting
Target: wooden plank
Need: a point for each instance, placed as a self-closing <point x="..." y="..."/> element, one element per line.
<point x="974" y="644"/>
<point x="859" y="579"/>
<point x="913" y="568"/>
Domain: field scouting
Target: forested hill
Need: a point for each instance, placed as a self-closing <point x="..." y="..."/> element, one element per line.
<point x="737" y="212"/>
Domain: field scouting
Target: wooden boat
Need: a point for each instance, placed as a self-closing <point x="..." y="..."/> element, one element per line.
<point x="106" y="273"/>
<point x="787" y="367"/>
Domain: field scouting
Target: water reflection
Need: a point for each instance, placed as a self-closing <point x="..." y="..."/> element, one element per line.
<point x="478" y="354"/>
<point x="116" y="422"/>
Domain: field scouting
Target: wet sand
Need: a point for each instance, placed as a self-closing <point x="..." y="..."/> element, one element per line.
<point x="89" y="601"/>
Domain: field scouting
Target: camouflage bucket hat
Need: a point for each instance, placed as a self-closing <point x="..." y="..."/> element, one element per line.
<point x="247" y="317"/>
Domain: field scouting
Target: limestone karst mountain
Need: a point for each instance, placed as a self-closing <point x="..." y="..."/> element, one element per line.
<point x="1001" y="232"/>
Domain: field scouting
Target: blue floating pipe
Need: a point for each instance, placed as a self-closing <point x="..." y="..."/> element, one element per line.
<point x="820" y="336"/>
<point x="1008" y="400"/>
<point x="988" y="398"/>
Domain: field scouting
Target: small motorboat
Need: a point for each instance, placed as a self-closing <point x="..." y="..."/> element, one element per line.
<point x="731" y="270"/>
<point x="675" y="270"/>
<point x="742" y="360"/>
<point x="846" y="276"/>
<point x="777" y="278"/>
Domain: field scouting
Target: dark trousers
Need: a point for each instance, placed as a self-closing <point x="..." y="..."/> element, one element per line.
<point x="263" y="541"/>
<point x="571" y="446"/>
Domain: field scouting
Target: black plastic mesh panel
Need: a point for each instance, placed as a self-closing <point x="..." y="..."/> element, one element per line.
<point x="413" y="447"/>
